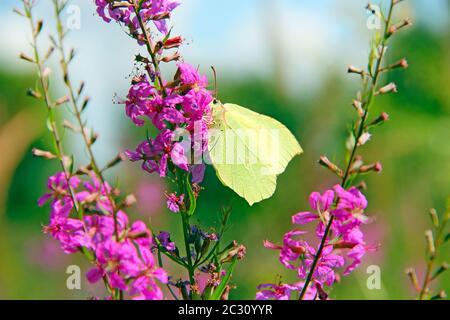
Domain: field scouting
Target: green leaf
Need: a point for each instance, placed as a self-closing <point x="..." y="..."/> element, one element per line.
<point x="191" y="197"/>
<point x="223" y="284"/>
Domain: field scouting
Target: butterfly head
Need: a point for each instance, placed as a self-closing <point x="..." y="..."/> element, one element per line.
<point x="218" y="112"/>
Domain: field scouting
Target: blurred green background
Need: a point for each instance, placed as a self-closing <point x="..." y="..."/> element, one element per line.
<point x="286" y="60"/>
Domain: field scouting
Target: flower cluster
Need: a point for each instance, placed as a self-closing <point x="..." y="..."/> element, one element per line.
<point x="151" y="10"/>
<point x="179" y="110"/>
<point x="181" y="114"/>
<point x="344" y="246"/>
<point x="123" y="252"/>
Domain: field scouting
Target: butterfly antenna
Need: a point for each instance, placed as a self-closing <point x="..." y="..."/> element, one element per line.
<point x="216" y="91"/>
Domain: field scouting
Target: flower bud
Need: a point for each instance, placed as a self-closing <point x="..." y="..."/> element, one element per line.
<point x="358" y="107"/>
<point x="365" y="137"/>
<point x="226" y="293"/>
<point x="321" y="292"/>
<point x="352" y="69"/>
<point x="362" y="186"/>
<point x="61" y="100"/>
<point x="380" y="120"/>
<point x="85" y="103"/>
<point x="33" y="94"/>
<point x="43" y="154"/>
<point x="430" y="243"/>
<point x="70" y="126"/>
<point x="173" y="43"/>
<point x="391" y="87"/>
<point x="130" y="200"/>
<point x="441" y="270"/>
<point x="442" y="295"/>
<point x="23" y="56"/>
<point x="174" y="57"/>
<point x="376" y="167"/>
<point x="434" y="217"/>
<point x="393" y="29"/>
<point x="39" y="26"/>
<point x="325" y="162"/>
<point x="17" y="11"/>
<point x="238" y="251"/>
<point x="49" y="53"/>
<point x="162" y="16"/>
<point x="403" y="63"/>
<point x="413" y="278"/>
<point x="118" y="159"/>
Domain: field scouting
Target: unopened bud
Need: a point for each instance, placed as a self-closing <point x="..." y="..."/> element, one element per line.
<point x="61" y="100"/>
<point x="174" y="57"/>
<point x="70" y="126"/>
<point x="43" y="154"/>
<point x="358" y="107"/>
<point x="118" y="159"/>
<point x="413" y="278"/>
<point x="46" y="72"/>
<point x="321" y="292"/>
<point x="376" y="167"/>
<point x="49" y="52"/>
<point x="441" y="270"/>
<point x="226" y="293"/>
<point x="85" y="103"/>
<point x="434" y="217"/>
<point x="442" y="295"/>
<point x="81" y="88"/>
<point x="362" y="186"/>
<point x="239" y="252"/>
<point x="380" y="120"/>
<point x="325" y="162"/>
<point x="401" y="64"/>
<point x="23" y="56"/>
<point x="39" y="26"/>
<point x="173" y="43"/>
<point x="365" y="137"/>
<point x="401" y="25"/>
<point x="129" y="200"/>
<point x="352" y="69"/>
<point x="430" y="243"/>
<point x="162" y="16"/>
<point x="17" y="11"/>
<point x="391" y="87"/>
<point x="33" y="94"/>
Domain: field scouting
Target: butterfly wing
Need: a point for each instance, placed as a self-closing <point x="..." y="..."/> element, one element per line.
<point x="249" y="151"/>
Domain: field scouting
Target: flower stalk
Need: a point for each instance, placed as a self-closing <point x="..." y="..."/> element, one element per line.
<point x="370" y="80"/>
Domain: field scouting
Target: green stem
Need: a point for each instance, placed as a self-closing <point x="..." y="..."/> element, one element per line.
<point x="77" y="112"/>
<point x="190" y="266"/>
<point x="149" y="46"/>
<point x="360" y="131"/>
<point x="48" y="102"/>
<point x="432" y="258"/>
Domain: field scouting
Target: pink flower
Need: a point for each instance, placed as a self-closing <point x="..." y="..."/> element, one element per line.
<point x="347" y="209"/>
<point x="291" y="250"/>
<point x="189" y="75"/>
<point x="144" y="286"/>
<point x="164" y="239"/>
<point x="174" y="202"/>
<point x="69" y="233"/>
<point x="276" y="292"/>
<point x="326" y="265"/>
<point x="284" y="291"/>
<point x="59" y="193"/>
<point x="96" y="192"/>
